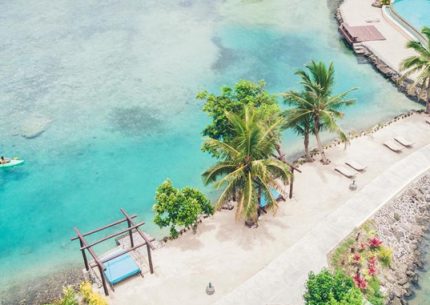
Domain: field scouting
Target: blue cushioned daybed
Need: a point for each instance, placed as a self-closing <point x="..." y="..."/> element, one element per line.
<point x="275" y="195"/>
<point x="121" y="268"/>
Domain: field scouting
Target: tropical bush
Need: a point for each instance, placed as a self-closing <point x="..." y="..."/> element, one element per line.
<point x="233" y="100"/>
<point x="326" y="288"/>
<point x="68" y="298"/>
<point x="85" y="296"/>
<point x="89" y="296"/>
<point x="385" y="256"/>
<point x="179" y="207"/>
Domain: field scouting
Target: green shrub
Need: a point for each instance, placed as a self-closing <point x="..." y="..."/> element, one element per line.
<point x="175" y="207"/>
<point x="385" y="256"/>
<point x="326" y="288"/>
<point x="68" y="298"/>
<point x="373" y="293"/>
<point x="91" y="297"/>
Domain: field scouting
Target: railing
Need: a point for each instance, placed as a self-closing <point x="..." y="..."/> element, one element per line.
<point x="391" y="15"/>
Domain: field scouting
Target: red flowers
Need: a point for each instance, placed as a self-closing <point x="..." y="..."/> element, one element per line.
<point x="360" y="281"/>
<point x="356" y="257"/>
<point x="375" y="243"/>
<point x="371" y="265"/>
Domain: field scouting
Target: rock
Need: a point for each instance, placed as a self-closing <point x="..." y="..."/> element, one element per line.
<point x="34" y="126"/>
<point x="395" y="301"/>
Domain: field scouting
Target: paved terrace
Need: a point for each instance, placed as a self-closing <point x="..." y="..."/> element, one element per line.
<point x="392" y="50"/>
<point x="269" y="265"/>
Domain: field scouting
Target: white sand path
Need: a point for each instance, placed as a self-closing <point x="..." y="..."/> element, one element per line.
<point x="248" y="266"/>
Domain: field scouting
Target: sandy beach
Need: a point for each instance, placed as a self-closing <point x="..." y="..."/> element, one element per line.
<point x="228" y="254"/>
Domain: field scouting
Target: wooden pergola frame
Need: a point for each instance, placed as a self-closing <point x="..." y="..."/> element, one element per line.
<point x="99" y="263"/>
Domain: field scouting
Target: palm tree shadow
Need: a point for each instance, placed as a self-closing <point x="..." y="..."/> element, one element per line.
<point x="251" y="238"/>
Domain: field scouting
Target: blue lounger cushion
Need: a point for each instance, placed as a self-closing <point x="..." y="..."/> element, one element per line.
<point x="275" y="195"/>
<point x="120" y="268"/>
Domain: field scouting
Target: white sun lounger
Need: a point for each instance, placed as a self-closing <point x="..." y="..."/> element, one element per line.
<point x="345" y="171"/>
<point x="394" y="146"/>
<point x="403" y="141"/>
<point x="355" y="165"/>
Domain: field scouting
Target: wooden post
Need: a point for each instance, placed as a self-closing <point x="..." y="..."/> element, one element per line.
<point x="148" y="249"/>
<point x="291" y="182"/>
<point x="130" y="233"/>
<point x="82" y="243"/>
<point x="102" y="275"/>
<point x="84" y="256"/>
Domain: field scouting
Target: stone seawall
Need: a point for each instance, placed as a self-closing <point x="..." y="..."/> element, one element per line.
<point x="401" y="225"/>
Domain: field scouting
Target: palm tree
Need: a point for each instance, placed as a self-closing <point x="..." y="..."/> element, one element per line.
<point x="317" y="104"/>
<point x="247" y="169"/>
<point x="419" y="64"/>
<point x="303" y="126"/>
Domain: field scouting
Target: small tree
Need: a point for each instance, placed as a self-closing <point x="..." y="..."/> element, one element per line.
<point x="326" y="288"/>
<point x="175" y="207"/>
<point x="233" y="100"/>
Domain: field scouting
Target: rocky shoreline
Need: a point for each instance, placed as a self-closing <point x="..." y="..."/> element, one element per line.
<point x="42" y="290"/>
<point x="401" y="225"/>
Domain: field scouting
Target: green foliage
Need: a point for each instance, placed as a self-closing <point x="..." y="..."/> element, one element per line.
<point x="91" y="297"/>
<point x="340" y="252"/>
<point x="247" y="168"/>
<point x="68" y="298"/>
<point x="373" y="292"/>
<point x="385" y="256"/>
<point x="176" y="207"/>
<point x="352" y="297"/>
<point x="326" y="288"/>
<point x="233" y="100"/>
<point x="419" y="64"/>
<point x="316" y="106"/>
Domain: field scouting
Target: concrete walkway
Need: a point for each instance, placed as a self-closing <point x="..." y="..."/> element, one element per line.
<point x="281" y="282"/>
<point x="270" y="263"/>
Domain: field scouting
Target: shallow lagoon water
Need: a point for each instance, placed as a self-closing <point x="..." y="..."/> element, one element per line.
<point x="118" y="81"/>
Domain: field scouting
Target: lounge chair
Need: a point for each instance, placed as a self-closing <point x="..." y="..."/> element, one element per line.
<point x="355" y="165"/>
<point x="275" y="194"/>
<point x="394" y="146"/>
<point x="120" y="268"/>
<point x="404" y="142"/>
<point x="345" y="171"/>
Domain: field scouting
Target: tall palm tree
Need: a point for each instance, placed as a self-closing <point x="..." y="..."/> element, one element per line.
<point x="419" y="64"/>
<point x="317" y="103"/>
<point x="303" y="126"/>
<point x="247" y="169"/>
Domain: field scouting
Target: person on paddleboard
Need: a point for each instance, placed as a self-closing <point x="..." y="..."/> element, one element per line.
<point x="3" y="160"/>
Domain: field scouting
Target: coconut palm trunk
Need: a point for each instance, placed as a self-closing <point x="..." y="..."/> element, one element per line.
<point x="324" y="159"/>
<point x="306" y="144"/>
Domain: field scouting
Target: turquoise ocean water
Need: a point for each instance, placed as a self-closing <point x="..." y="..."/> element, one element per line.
<point x="417" y="12"/>
<point x="117" y="79"/>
